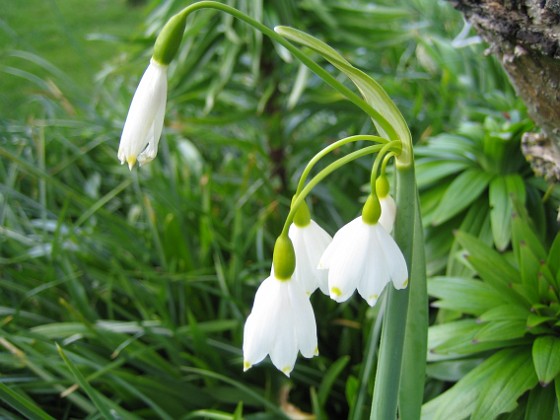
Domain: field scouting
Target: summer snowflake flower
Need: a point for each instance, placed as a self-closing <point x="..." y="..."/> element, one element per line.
<point x="144" y="122"/>
<point x="280" y="323"/>
<point x="365" y="257"/>
<point x="310" y="242"/>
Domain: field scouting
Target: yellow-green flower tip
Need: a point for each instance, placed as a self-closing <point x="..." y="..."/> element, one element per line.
<point x="302" y="217"/>
<point x="284" y="258"/>
<point x="382" y="186"/>
<point x="405" y="283"/>
<point x="246" y="366"/>
<point x="372" y="210"/>
<point x="335" y="291"/>
<point x="131" y="160"/>
<point x="287" y="370"/>
<point x="169" y="39"/>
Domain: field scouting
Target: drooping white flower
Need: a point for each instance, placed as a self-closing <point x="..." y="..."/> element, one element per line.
<point x="388" y="212"/>
<point x="310" y="242"/>
<point x="365" y="257"/>
<point x="144" y="122"/>
<point x="281" y="323"/>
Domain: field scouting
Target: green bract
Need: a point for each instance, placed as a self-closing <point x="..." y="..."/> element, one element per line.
<point x="508" y="339"/>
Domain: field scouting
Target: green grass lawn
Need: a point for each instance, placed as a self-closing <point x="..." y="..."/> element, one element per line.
<point x="74" y="35"/>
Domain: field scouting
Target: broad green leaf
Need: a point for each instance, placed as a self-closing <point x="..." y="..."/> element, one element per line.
<point x="523" y="233"/>
<point x="512" y="378"/>
<point x="542" y="404"/>
<point x="502" y="190"/>
<point x="488" y="390"/>
<point x="460" y="194"/>
<point x="452" y="370"/>
<point x="465" y="295"/>
<point x="504" y="312"/>
<point x="546" y="358"/>
<point x="553" y="260"/>
<point x="534" y="320"/>
<point x="430" y="171"/>
<point x="501" y="331"/>
<point x="492" y="267"/>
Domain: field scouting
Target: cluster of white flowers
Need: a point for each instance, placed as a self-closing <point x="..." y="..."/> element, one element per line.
<point x="361" y="256"/>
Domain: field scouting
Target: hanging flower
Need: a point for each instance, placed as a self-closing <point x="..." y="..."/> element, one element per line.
<point x="144" y="122"/>
<point x="310" y="241"/>
<point x="365" y="257"/>
<point x="280" y="323"/>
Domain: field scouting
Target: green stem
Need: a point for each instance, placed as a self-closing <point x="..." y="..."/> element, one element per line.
<point x="313" y="66"/>
<point x="330" y="148"/>
<point x="394" y="147"/>
<point x="405" y="323"/>
<point x="322" y="175"/>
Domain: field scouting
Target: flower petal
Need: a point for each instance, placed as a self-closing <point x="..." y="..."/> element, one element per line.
<point x="305" y="325"/>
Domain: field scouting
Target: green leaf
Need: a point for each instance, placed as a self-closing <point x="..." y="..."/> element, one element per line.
<point x="504" y="312"/>
<point x="546" y="358"/>
<point x="502" y="190"/>
<point x="430" y="171"/>
<point x="488" y="390"/>
<point x="512" y="378"/>
<point x="22" y="404"/>
<point x="329" y="378"/>
<point x="461" y="193"/>
<point x="501" y="331"/>
<point x="542" y="404"/>
<point x="492" y="268"/>
<point x="465" y="295"/>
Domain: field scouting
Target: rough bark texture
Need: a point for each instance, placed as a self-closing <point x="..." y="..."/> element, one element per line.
<point x="525" y="36"/>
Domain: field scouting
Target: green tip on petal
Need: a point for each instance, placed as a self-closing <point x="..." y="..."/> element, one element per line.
<point x="287" y="370"/>
<point x="372" y="210"/>
<point x="302" y="217"/>
<point x="284" y="258"/>
<point x="169" y="39"/>
<point x="335" y="291"/>
<point x="246" y="366"/>
<point x="382" y="186"/>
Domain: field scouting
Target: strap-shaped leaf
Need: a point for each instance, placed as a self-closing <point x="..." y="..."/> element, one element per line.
<point x="546" y="358"/>
<point x="503" y="189"/>
<point x="387" y="118"/>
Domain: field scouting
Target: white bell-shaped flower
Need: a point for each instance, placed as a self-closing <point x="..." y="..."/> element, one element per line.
<point x="310" y="242"/>
<point x="388" y="212"/>
<point x="280" y="324"/>
<point x="144" y="122"/>
<point x="365" y="257"/>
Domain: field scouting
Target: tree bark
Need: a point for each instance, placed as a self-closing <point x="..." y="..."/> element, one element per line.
<point x="525" y="36"/>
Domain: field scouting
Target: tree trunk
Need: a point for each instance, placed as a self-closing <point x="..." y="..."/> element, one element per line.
<point x="525" y="36"/>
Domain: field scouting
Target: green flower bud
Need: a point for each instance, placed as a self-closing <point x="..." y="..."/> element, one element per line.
<point x="382" y="186"/>
<point x="284" y="258"/>
<point x="372" y="210"/>
<point x="302" y="217"/>
<point x="169" y="39"/>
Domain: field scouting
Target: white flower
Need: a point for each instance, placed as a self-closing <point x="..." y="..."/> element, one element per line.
<point x="144" y="122"/>
<point x="388" y="212"/>
<point x="364" y="257"/>
<point x="309" y="244"/>
<point x="280" y="323"/>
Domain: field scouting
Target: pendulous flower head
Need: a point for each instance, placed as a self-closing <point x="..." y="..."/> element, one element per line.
<point x="365" y="257"/>
<point x="310" y="241"/>
<point x="280" y="324"/>
<point x="144" y="122"/>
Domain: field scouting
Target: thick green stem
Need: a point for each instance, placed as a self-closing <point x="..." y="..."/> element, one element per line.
<point x="403" y="340"/>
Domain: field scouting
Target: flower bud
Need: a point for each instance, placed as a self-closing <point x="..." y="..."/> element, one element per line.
<point x="302" y="217"/>
<point x="284" y="258"/>
<point x="372" y="210"/>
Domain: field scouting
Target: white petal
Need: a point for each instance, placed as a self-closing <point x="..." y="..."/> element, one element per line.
<point x="395" y="260"/>
<point x="376" y="272"/>
<point x="346" y="259"/>
<point x="388" y="212"/>
<point x="284" y="348"/>
<point x="147" y="105"/>
<point x="304" y="321"/>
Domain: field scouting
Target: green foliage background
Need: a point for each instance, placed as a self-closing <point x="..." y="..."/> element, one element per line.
<point x="124" y="294"/>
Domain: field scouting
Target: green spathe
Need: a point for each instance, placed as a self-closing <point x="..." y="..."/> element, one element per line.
<point x="284" y="258"/>
<point x="169" y="39"/>
<point x="372" y="210"/>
